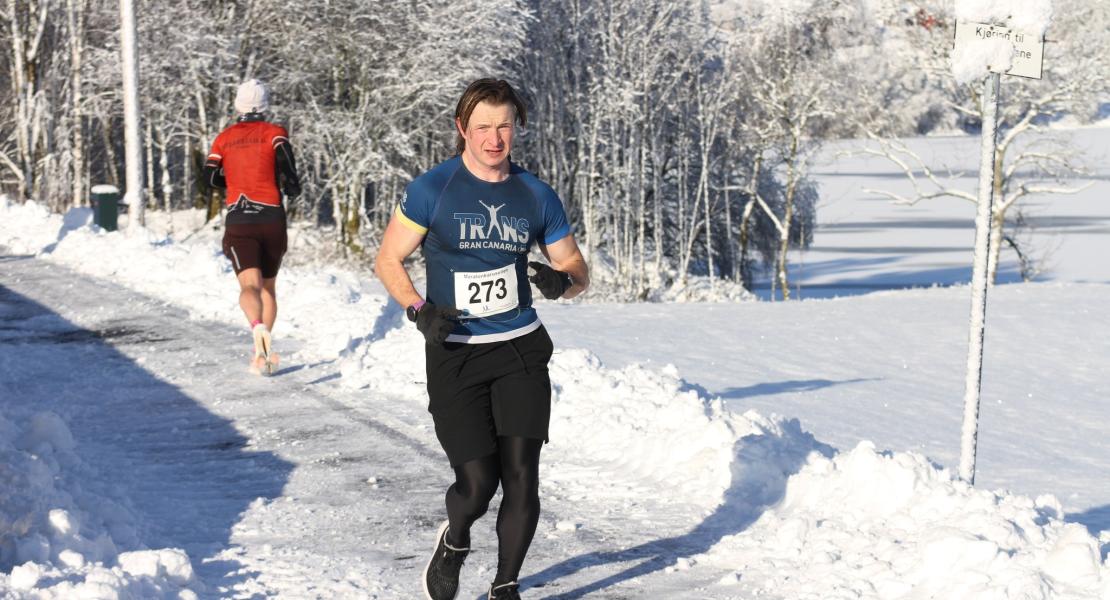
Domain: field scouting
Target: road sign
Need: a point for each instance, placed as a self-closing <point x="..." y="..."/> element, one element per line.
<point x="1028" y="49"/>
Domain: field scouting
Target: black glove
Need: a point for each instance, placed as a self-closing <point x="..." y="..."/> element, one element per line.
<point x="552" y="283"/>
<point x="436" y="322"/>
<point x="214" y="176"/>
<point x="291" y="190"/>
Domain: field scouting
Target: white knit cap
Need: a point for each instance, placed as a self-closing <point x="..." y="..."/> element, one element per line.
<point x="252" y="96"/>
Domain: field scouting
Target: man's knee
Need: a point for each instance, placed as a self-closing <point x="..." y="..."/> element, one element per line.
<point x="474" y="499"/>
<point x="482" y="492"/>
<point x="525" y="482"/>
<point x="250" y="279"/>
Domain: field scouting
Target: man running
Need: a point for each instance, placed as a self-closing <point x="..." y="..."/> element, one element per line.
<point x="253" y="160"/>
<point x="476" y="217"/>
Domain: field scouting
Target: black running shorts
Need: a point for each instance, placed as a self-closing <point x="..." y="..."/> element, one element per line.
<point x="255" y="246"/>
<point x="478" y="392"/>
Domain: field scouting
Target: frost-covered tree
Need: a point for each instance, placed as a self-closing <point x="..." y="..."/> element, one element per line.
<point x="76" y="24"/>
<point x="638" y="111"/>
<point x="790" y="71"/>
<point x="34" y="60"/>
<point x="614" y="127"/>
<point x="368" y="93"/>
<point x="365" y="89"/>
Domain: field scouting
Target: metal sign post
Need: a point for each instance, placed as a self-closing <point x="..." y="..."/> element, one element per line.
<point x="979" y="283"/>
<point x="1026" y="62"/>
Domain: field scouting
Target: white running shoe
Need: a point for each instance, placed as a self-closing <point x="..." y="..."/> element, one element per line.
<point x="265" y="359"/>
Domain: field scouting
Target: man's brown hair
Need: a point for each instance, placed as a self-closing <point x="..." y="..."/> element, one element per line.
<point x="495" y="91"/>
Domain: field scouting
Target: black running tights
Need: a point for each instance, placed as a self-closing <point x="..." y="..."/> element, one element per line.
<point x="516" y="466"/>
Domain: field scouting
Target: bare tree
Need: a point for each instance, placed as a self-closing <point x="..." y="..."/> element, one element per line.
<point x="1029" y="160"/>
<point x="31" y="28"/>
<point x="75" y="21"/>
<point x="789" y="79"/>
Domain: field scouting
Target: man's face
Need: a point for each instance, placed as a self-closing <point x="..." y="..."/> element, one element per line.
<point x="489" y="134"/>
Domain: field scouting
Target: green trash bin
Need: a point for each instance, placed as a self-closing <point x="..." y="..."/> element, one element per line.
<point x="105" y="202"/>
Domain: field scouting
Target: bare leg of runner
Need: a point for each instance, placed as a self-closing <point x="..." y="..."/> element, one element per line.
<point x="269" y="302"/>
<point x="250" y="294"/>
<point x="260" y="309"/>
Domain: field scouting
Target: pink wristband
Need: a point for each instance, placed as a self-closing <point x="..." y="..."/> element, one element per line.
<point x="255" y="323"/>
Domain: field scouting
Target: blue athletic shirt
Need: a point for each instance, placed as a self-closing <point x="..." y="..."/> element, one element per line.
<point x="477" y="235"/>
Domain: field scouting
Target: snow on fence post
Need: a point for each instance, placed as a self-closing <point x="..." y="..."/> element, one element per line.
<point x="979" y="283"/>
<point x="133" y="158"/>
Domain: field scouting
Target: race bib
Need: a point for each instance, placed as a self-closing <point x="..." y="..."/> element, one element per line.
<point x="487" y="293"/>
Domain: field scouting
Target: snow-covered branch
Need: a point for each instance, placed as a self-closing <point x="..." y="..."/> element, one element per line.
<point x="893" y="151"/>
<point x="1027" y="189"/>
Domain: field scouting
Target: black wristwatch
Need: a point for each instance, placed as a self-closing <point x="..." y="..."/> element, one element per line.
<point x="413" y="309"/>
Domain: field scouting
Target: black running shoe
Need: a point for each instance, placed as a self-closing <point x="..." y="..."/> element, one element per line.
<point x="505" y="591"/>
<point x="441" y="576"/>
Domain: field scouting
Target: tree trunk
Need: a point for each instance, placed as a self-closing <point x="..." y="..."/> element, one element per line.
<point x="788" y="215"/>
<point x="745" y="228"/>
<point x="998" y="217"/>
<point x="109" y="149"/>
<point x="215" y="205"/>
<point x="657" y="203"/>
<point x="187" y="170"/>
<point x="641" y="204"/>
<point x="588" y="196"/>
<point x="75" y="15"/>
<point x="730" y="257"/>
<point x="150" y="188"/>
<point x="352" y="222"/>
<point x="745" y="222"/>
<point x="703" y="187"/>
<point x="339" y="216"/>
<point x="21" y="96"/>
<point x="998" y="221"/>
<point x="681" y="216"/>
<point x="164" y="166"/>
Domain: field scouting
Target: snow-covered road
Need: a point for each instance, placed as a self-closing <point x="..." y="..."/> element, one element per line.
<point x="289" y="486"/>
<point x="263" y="482"/>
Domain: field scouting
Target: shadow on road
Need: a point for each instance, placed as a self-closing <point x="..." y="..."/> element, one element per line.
<point x="186" y="473"/>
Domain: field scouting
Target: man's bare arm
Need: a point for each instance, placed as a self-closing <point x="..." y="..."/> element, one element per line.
<point x="565" y="256"/>
<point x="397" y="244"/>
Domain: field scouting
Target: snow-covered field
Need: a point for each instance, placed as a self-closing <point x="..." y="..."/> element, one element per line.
<point x="864" y="243"/>
<point x="700" y="450"/>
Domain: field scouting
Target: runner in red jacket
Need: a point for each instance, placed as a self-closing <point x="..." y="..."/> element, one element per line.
<point x="253" y="159"/>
